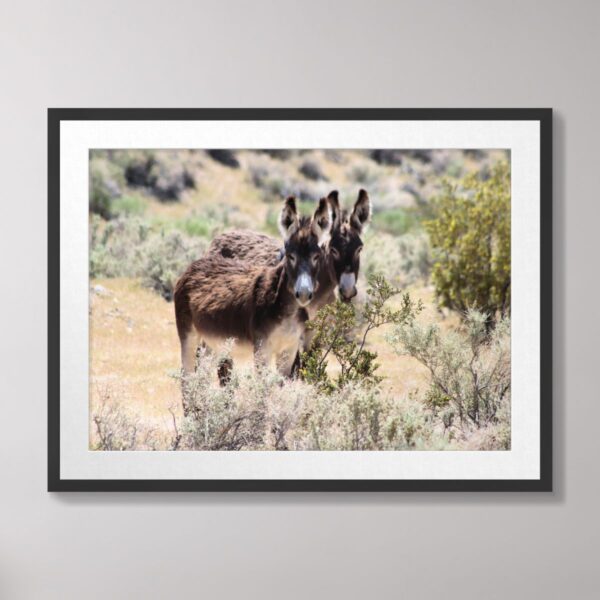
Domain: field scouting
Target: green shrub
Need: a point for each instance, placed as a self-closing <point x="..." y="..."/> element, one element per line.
<point x="205" y="224"/>
<point x="271" y="225"/>
<point x="129" y="206"/>
<point x="272" y="182"/>
<point x="197" y="226"/>
<point x="470" y="238"/>
<point x="455" y="168"/>
<point x="100" y="197"/>
<point x="334" y="330"/>
<point x="105" y="185"/>
<point x="396" y="221"/>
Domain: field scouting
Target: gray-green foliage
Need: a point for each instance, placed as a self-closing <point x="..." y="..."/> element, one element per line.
<point x="220" y="417"/>
<point x="259" y="410"/>
<point x="356" y="417"/>
<point x="403" y="260"/>
<point x="469" y="369"/>
<point x="132" y="248"/>
<point x="416" y="257"/>
<point x="114" y="247"/>
<point x="165" y="257"/>
<point x="106" y="185"/>
<point x="116" y="428"/>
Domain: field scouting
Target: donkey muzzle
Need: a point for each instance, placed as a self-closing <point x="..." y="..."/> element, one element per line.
<point x="347" y="287"/>
<point x="304" y="289"/>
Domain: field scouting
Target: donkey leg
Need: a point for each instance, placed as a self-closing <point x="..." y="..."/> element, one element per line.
<point x="286" y="363"/>
<point x="305" y="344"/>
<point x="296" y="366"/>
<point x="189" y="345"/>
<point x="262" y="353"/>
<point x="224" y="369"/>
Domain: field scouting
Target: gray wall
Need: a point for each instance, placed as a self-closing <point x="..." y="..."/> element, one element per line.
<point x="388" y="54"/>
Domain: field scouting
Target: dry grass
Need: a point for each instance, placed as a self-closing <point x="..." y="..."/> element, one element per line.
<point x="133" y="348"/>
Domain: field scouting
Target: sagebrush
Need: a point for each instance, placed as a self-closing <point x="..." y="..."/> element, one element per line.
<point x="130" y="247"/>
<point x="470" y="375"/>
<point x="116" y="428"/>
<point x="257" y="409"/>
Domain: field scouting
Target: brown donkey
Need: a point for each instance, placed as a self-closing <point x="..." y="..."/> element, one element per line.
<point x="261" y="304"/>
<point x="342" y="247"/>
<point x="342" y="252"/>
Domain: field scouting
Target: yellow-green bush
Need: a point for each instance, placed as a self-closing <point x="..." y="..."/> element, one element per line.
<point x="470" y="238"/>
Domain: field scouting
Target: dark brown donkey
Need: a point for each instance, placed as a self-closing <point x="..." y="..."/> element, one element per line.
<point x="261" y="304"/>
<point x="342" y="252"/>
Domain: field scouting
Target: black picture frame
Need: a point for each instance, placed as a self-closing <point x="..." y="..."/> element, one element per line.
<point x="58" y="115"/>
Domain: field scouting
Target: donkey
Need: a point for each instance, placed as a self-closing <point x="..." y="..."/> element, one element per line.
<point x="260" y="304"/>
<point x="342" y="250"/>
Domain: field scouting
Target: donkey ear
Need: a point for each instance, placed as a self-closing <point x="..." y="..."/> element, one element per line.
<point x="362" y="211"/>
<point x="288" y="219"/>
<point x="334" y="203"/>
<point x="322" y="220"/>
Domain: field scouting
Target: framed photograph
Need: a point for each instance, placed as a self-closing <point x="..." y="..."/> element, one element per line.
<point x="300" y="300"/>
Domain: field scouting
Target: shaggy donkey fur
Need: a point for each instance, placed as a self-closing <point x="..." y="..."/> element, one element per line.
<point x="261" y="304"/>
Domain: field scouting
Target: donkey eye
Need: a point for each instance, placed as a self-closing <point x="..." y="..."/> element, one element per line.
<point x="292" y="259"/>
<point x="358" y="251"/>
<point x="335" y="253"/>
<point x="314" y="259"/>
